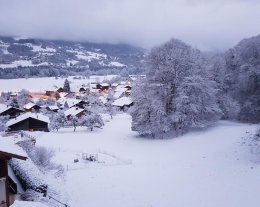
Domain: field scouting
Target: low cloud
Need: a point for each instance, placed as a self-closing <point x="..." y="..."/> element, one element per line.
<point x="207" y="25"/>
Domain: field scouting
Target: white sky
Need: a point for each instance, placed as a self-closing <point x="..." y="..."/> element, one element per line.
<point x="205" y="24"/>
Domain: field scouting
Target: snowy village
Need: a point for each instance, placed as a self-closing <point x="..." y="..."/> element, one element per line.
<point x="131" y="103"/>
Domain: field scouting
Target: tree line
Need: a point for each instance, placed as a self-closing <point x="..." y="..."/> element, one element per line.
<point x="186" y="88"/>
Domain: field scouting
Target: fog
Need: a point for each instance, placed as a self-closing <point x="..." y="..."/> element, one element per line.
<point x="205" y="24"/>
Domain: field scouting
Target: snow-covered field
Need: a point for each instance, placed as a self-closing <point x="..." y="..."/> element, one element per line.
<point x="212" y="168"/>
<point x="42" y="84"/>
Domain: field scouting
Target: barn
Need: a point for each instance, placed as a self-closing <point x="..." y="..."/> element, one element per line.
<point x="29" y="122"/>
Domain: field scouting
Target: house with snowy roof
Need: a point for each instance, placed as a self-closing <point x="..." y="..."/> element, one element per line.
<point x="31" y="107"/>
<point x="9" y="184"/>
<point x="72" y="102"/>
<point x="74" y="111"/>
<point x="123" y="103"/>
<point x="29" y="122"/>
<point x="10" y="111"/>
<point x="53" y="108"/>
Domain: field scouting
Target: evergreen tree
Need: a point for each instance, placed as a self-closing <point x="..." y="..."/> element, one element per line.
<point x="66" y="86"/>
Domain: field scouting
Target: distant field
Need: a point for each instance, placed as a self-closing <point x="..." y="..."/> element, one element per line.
<point x="41" y="84"/>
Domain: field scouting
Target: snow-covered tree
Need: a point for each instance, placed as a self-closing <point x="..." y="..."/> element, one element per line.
<point x="92" y="120"/>
<point x="177" y="94"/>
<point x="243" y="77"/>
<point x="66" y="86"/>
<point x="57" y="121"/>
<point x="110" y="100"/>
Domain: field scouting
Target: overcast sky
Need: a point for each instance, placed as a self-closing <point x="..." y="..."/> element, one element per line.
<point x="205" y="24"/>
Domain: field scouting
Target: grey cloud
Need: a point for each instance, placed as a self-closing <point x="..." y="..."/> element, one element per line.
<point x="208" y="25"/>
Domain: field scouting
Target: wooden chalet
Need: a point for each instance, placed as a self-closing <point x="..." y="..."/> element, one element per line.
<point x="10" y="111"/>
<point x="8" y="187"/>
<point x="29" y="122"/>
<point x="31" y="107"/>
<point x="122" y="104"/>
<point x="104" y="86"/>
<point x="52" y="108"/>
<point x="74" y="111"/>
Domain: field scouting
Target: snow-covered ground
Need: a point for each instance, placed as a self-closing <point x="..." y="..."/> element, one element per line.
<point x="200" y="169"/>
<point x="42" y="84"/>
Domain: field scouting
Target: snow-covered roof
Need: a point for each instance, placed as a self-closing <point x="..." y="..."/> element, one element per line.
<point x="29" y="105"/>
<point x="27" y="204"/>
<point x="114" y="84"/>
<point x="4" y="108"/>
<point x="7" y="146"/>
<point x="121" y="88"/>
<point x="73" y="111"/>
<point x="117" y="94"/>
<point x="53" y="108"/>
<point x="63" y="94"/>
<point x="124" y="101"/>
<point x="72" y="101"/>
<point x="27" y="115"/>
<point x="104" y="84"/>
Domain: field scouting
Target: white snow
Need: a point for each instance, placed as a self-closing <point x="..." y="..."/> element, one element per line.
<point x="21" y="63"/>
<point x="16" y="63"/>
<point x="3" y="108"/>
<point x="42" y="84"/>
<point x="27" y="204"/>
<point x="200" y="169"/>
<point x="124" y="101"/>
<point x="7" y="145"/>
<point x="71" y="62"/>
<point x="73" y="111"/>
<point x="88" y="56"/>
<point x="29" y="105"/>
<point x="27" y="115"/>
<point x="116" y="64"/>
<point x="38" y="48"/>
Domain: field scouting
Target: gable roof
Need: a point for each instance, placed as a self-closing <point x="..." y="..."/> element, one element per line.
<point x="53" y="108"/>
<point x="124" y="101"/>
<point x="29" y="106"/>
<point x="10" y="150"/>
<point x="73" y="111"/>
<point x="26" y="116"/>
<point x="4" y="108"/>
<point x="71" y="102"/>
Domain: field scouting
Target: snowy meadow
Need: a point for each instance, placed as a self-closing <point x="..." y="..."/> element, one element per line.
<point x="203" y="168"/>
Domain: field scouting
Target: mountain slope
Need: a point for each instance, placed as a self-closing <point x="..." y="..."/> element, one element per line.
<point x="50" y="58"/>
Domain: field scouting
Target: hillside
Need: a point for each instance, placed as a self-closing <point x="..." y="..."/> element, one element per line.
<point x="21" y="57"/>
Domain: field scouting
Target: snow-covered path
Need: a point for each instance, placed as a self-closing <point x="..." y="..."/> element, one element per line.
<point x="201" y="169"/>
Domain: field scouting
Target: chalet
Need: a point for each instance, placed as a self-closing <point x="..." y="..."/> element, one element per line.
<point x="72" y="102"/>
<point x="54" y="92"/>
<point x="8" y="184"/>
<point x="31" y="107"/>
<point x="9" y="111"/>
<point x="104" y="86"/>
<point x="29" y="122"/>
<point x="52" y="108"/>
<point x="123" y="103"/>
<point x="74" y="111"/>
